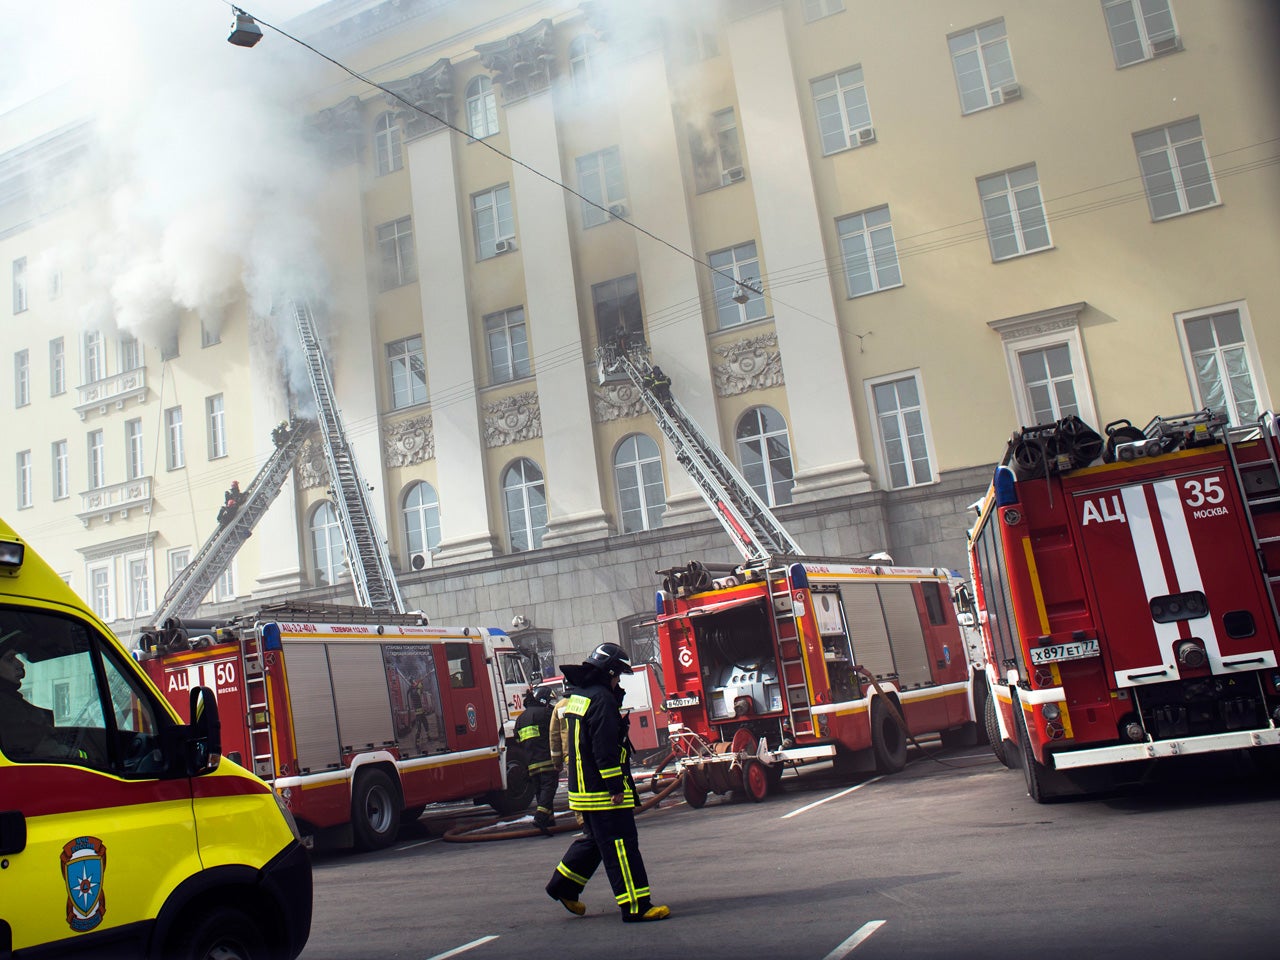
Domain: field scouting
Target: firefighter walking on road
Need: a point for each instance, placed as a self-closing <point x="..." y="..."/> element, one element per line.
<point x="601" y="789"/>
<point x="533" y="727"/>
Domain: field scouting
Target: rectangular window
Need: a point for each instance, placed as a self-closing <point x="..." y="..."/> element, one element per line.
<point x="869" y="252"/>
<point x="617" y="309"/>
<point x="57" y="367"/>
<point x="61" y="470"/>
<point x="1175" y="169"/>
<point x="736" y="283"/>
<point x="902" y="430"/>
<point x="508" y="345"/>
<point x="178" y="561"/>
<point x="727" y="149"/>
<point x="100" y="595"/>
<point x="20" y="285"/>
<point x="97" y="460"/>
<point x="395" y="253"/>
<point x="95" y="358"/>
<point x="459" y="657"/>
<point x="1222" y="362"/>
<point x="21" y="378"/>
<point x="169" y="347"/>
<point x="817" y="9"/>
<point x="408" y="372"/>
<point x="983" y="66"/>
<point x="1049" y="383"/>
<point x="130" y="354"/>
<point x="133" y="449"/>
<point x="1014" y="213"/>
<point x="600" y="181"/>
<point x="1140" y="29"/>
<point x="24" y="479"/>
<point x="844" y="117"/>
<point x="139" y="587"/>
<point x="494" y="223"/>
<point x="216" y="417"/>
<point x="209" y="336"/>
<point x="225" y="588"/>
<point x="175" y="454"/>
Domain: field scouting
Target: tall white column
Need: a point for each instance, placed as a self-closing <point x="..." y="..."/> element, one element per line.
<point x="824" y="433"/>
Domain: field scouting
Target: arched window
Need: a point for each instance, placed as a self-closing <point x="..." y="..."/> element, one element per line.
<point x="765" y="454"/>
<point x="386" y="144"/>
<point x="583" y="65"/>
<point x="526" y="502"/>
<point x="482" y="108"/>
<point x="642" y="499"/>
<point x="421" y="521"/>
<point x="327" y="549"/>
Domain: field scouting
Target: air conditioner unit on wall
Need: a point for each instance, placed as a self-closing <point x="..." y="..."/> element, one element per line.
<point x="420" y="561"/>
<point x="1011" y="91"/>
<point x="866" y="134"/>
<point x="734" y="174"/>
<point x="1165" y="45"/>
<point x="504" y="246"/>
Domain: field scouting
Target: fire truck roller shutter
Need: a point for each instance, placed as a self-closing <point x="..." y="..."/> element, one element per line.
<point x="905" y="633"/>
<point x="867" y="630"/>
<point x="361" y="694"/>
<point x="315" y="721"/>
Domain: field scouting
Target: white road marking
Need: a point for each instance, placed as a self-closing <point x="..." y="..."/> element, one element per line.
<point x="420" y="843"/>
<point x="835" y="796"/>
<point x="470" y="946"/>
<point x="861" y="934"/>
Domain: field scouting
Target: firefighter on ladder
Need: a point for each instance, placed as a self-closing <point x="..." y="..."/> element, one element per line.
<point x="601" y="789"/>
<point x="533" y="727"/>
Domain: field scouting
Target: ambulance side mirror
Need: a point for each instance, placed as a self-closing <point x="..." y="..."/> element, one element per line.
<point x="204" y="739"/>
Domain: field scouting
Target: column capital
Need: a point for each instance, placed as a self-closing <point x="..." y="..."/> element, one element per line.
<point x="522" y="62"/>
<point x="432" y="90"/>
<point x="339" y="128"/>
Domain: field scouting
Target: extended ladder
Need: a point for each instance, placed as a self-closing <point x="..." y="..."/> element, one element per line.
<point x="751" y="525"/>
<point x="195" y="581"/>
<point x="1256" y="464"/>
<point x="371" y="570"/>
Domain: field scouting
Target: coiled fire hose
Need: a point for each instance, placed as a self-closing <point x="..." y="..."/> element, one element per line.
<point x="892" y="706"/>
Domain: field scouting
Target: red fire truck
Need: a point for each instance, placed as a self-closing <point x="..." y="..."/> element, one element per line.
<point x="772" y="665"/>
<point x="1128" y="601"/>
<point x="358" y="723"/>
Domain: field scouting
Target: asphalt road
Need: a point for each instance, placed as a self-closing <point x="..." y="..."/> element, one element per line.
<point x="936" y="862"/>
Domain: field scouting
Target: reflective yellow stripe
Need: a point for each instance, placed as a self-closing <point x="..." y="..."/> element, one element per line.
<point x="526" y="733"/>
<point x="570" y="875"/>
<point x="631" y="896"/>
<point x="577" y="705"/>
<point x="610" y="772"/>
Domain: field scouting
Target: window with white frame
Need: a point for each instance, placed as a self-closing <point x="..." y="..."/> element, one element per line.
<point x="482" y="108"/>
<point x="600" y="181"/>
<point x="130" y="354"/>
<point x="584" y="66"/>
<point x="494" y="221"/>
<point x="61" y="470"/>
<point x="386" y="144"/>
<point x="224" y="588"/>
<point x="902" y="429"/>
<point x="1175" y="169"/>
<point x="139" y="586"/>
<point x="1050" y="383"/>
<point x="735" y="281"/>
<point x="407" y="369"/>
<point x="616" y="304"/>
<point x="328" y="554"/>
<point x="134" y="461"/>
<point x="764" y="452"/>
<point x="20" y="285"/>
<point x="216" y="419"/>
<point x="817" y="9"/>
<point x="210" y="335"/>
<point x="507" y="343"/>
<point x="175" y="453"/>
<point x="421" y="515"/>
<point x="395" y="253"/>
<point x="101" y="596"/>
<point x="844" y="116"/>
<point x="642" y="496"/>
<point x="1014" y="213"/>
<point x="869" y="252"/>
<point x="24" y="479"/>
<point x="1140" y="29"/>
<point x="1223" y="364"/>
<point x="525" y="498"/>
<point x="728" y="151"/>
<point x="95" y="357"/>
<point x="21" y="378"/>
<point x="983" y="66"/>
<point x="57" y="367"/>
<point x="179" y="560"/>
<point x="1044" y="353"/>
<point x="97" y="460"/>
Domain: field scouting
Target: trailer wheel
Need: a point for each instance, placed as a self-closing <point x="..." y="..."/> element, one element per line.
<point x="225" y="933"/>
<point x="755" y="780"/>
<point x="888" y="739"/>
<point x="992" y="723"/>
<point x="375" y="810"/>
<point x="695" y="790"/>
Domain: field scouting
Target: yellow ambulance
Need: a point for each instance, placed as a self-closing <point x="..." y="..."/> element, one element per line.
<point x="123" y="832"/>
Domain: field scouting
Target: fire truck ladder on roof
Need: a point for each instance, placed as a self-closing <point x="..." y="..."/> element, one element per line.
<point x="253" y="668"/>
<point x="793" y="674"/>
<point x="1257" y="471"/>
<point x="751" y="525"/>
<point x="371" y="570"/>
<point x="196" y="580"/>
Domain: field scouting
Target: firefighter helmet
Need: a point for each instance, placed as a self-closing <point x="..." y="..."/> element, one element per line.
<point x="609" y="658"/>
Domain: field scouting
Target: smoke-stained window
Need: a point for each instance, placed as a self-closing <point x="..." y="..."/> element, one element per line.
<point x="600" y="181"/>
<point x="386" y="144"/>
<point x="406" y="368"/>
<point x="619" y="319"/>
<point x="482" y="108"/>
<point x="764" y="450"/>
<point x="130" y="354"/>
<point x="507" y="343"/>
<point x="584" y="66"/>
<point x="395" y="252"/>
<point x="95" y="357"/>
<point x="494" y="222"/>
<point x="525" y="499"/>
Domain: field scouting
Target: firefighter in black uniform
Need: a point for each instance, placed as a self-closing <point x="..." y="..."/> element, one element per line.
<point x="533" y="727"/>
<point x="601" y="789"/>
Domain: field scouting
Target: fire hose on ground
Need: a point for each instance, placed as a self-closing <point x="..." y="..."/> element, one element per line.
<point x="892" y="706"/>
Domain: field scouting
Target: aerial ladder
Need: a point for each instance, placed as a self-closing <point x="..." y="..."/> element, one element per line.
<point x="755" y="531"/>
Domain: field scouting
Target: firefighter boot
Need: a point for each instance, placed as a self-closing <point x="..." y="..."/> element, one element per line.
<point x="576" y="907"/>
<point x="544" y="820"/>
<point x="645" y="912"/>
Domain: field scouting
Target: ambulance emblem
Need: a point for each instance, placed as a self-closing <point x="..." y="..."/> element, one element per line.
<point x="84" y="864"/>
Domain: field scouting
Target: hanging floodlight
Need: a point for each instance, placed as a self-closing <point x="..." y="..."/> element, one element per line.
<point x="244" y="32"/>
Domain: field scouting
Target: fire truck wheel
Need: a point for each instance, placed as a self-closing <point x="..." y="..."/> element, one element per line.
<point x="375" y="810"/>
<point x="520" y="787"/>
<point x="225" y="933"/>
<point x="993" y="732"/>
<point x="1032" y="769"/>
<point x="888" y="740"/>
<point x="695" y="790"/>
<point x="755" y="780"/>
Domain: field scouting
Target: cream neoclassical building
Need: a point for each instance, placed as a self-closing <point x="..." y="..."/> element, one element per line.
<point x="948" y="218"/>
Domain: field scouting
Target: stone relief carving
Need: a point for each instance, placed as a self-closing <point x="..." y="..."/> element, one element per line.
<point x="522" y="62"/>
<point x="512" y="419"/>
<point x="313" y="470"/>
<point x="409" y="441"/>
<point x="339" y="129"/>
<point x="616" y="401"/>
<point x="751" y="364"/>
<point x="432" y="90"/>
<point x="1023" y="332"/>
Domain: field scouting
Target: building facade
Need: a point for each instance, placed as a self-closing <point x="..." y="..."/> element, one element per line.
<point x="865" y="240"/>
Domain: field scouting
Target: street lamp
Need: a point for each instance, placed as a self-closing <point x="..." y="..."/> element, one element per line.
<point x="244" y="32"/>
